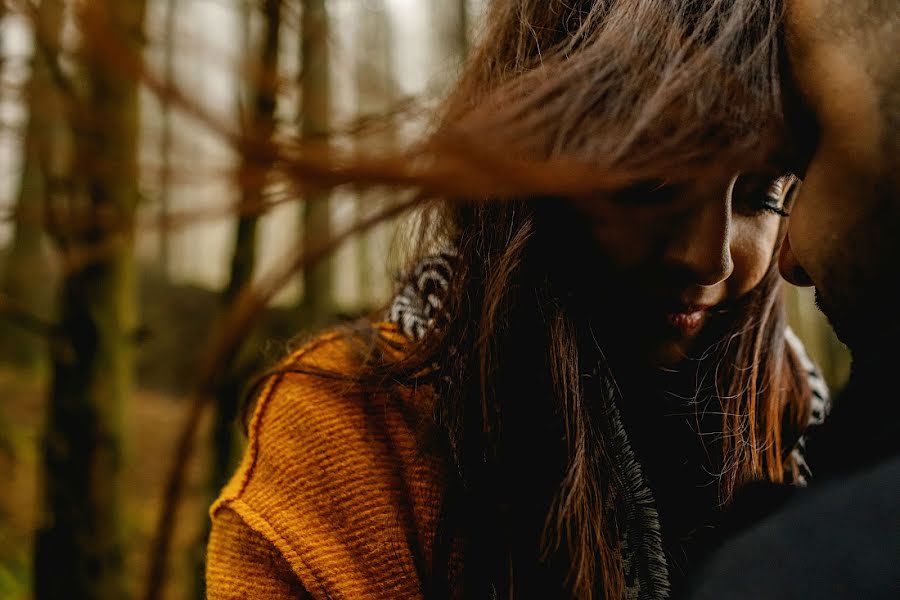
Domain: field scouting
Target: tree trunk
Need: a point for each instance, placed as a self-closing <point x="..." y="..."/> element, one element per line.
<point x="260" y="125"/>
<point x="376" y="98"/>
<point x="462" y="30"/>
<point x="79" y="545"/>
<point x="166" y="144"/>
<point x="450" y="19"/>
<point x="316" y="307"/>
<point x="27" y="266"/>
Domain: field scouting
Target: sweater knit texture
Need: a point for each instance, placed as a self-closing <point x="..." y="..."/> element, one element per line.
<point x="333" y="497"/>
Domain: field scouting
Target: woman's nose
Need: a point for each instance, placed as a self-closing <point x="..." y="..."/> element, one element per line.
<point x="702" y="244"/>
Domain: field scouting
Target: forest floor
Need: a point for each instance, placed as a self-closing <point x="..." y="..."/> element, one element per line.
<point x="151" y="425"/>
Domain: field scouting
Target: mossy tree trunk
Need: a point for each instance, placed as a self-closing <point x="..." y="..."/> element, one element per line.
<point x="79" y="543"/>
<point x="316" y="308"/>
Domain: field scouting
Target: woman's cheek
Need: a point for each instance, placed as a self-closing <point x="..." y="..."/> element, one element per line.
<point x="753" y="245"/>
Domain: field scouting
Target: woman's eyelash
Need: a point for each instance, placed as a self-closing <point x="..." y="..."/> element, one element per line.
<point x="778" y="194"/>
<point x="774" y="208"/>
<point x="759" y="193"/>
<point x="776" y="188"/>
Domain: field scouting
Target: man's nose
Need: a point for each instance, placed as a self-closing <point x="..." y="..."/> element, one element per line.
<point x="702" y="244"/>
<point x="790" y="267"/>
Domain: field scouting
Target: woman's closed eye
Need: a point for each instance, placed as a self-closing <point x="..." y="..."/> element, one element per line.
<point x="756" y="193"/>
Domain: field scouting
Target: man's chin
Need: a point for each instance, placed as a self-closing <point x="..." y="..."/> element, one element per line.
<point x="857" y="325"/>
<point x="837" y="316"/>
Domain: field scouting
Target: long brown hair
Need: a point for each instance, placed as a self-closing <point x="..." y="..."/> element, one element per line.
<point x="662" y="90"/>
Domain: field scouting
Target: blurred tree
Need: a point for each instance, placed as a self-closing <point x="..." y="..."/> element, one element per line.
<point x="376" y="98"/>
<point x="79" y="543"/>
<point x="166" y="145"/>
<point x="452" y="19"/>
<point x="28" y="254"/>
<point x="316" y="307"/>
<point x="258" y="125"/>
<point x="462" y="28"/>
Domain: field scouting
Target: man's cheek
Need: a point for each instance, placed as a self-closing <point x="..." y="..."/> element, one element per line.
<point x="806" y="231"/>
<point x="826" y="208"/>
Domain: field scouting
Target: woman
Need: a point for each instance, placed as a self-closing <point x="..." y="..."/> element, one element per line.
<point x="560" y="404"/>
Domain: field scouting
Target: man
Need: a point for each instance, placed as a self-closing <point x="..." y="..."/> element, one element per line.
<point x="844" y="232"/>
<point x="840" y="539"/>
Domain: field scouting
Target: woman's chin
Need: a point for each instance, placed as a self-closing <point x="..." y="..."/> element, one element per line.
<point x="666" y="356"/>
<point x="670" y="353"/>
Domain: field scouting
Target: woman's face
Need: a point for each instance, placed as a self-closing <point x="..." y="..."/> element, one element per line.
<point x="678" y="259"/>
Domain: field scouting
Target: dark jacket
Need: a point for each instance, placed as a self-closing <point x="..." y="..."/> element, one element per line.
<point x="841" y="537"/>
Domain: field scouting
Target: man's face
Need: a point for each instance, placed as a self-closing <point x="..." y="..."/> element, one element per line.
<point x="845" y="223"/>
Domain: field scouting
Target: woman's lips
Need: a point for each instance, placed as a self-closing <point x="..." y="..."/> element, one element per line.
<point x="687" y="319"/>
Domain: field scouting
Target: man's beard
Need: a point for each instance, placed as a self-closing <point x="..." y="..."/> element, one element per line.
<point x="841" y="322"/>
<point x="862" y="311"/>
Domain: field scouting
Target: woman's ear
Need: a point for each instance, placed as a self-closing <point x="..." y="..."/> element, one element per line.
<point x="789" y="266"/>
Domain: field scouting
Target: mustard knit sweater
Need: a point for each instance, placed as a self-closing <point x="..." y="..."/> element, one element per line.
<point x="333" y="498"/>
